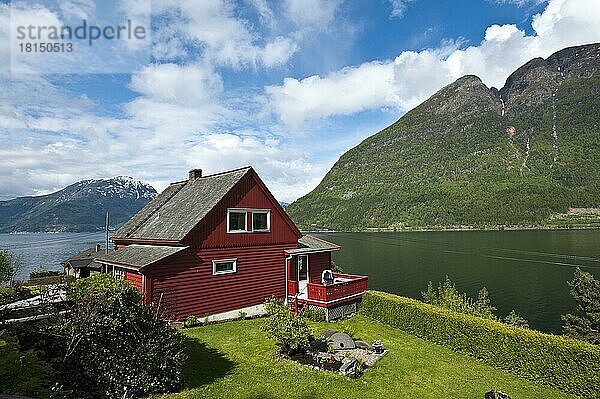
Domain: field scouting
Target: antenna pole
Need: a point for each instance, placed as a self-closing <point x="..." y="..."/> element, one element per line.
<point x="106" y="230"/>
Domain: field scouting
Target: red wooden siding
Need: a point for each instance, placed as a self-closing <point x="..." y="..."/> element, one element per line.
<point x="316" y="264"/>
<point x="184" y="284"/>
<point x="134" y="278"/>
<point x="212" y="231"/>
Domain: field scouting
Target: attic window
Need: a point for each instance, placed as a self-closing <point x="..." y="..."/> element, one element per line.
<point x="261" y="220"/>
<point x="237" y="222"/>
<point x="245" y="220"/>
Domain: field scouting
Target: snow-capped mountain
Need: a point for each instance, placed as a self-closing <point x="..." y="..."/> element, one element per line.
<point x="82" y="206"/>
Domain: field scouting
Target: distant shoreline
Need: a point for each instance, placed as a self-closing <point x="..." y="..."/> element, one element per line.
<point x="461" y="228"/>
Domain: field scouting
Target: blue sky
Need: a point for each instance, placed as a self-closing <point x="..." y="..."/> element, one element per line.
<point x="285" y="86"/>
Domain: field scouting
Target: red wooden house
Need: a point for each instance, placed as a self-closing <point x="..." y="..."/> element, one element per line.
<point x="221" y="244"/>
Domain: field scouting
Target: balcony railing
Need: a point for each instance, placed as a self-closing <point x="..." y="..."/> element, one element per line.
<point x="344" y="286"/>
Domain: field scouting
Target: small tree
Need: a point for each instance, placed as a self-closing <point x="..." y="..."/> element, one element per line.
<point x="584" y="323"/>
<point x="483" y="306"/>
<point x="515" y="319"/>
<point x="110" y="345"/>
<point x="447" y="296"/>
<point x="7" y="269"/>
<point x="290" y="331"/>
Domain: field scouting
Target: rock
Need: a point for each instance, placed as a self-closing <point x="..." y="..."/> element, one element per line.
<point x="362" y="345"/>
<point x="328" y="333"/>
<point x="493" y="394"/>
<point x="349" y="367"/>
<point x="342" y="341"/>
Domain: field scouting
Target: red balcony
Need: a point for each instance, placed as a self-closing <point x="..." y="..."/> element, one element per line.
<point x="345" y="287"/>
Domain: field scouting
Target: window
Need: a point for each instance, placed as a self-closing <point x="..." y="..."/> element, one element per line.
<point x="261" y="220"/>
<point x="237" y="221"/>
<point x="224" y="266"/>
<point x="119" y="274"/>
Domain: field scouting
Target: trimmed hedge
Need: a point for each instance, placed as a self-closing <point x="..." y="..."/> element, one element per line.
<point x="570" y="365"/>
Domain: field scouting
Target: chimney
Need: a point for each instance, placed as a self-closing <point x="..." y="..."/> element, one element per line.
<point x="194" y="174"/>
<point x="98" y="247"/>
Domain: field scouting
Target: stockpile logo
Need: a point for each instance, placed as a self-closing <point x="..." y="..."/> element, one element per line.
<point x="79" y="36"/>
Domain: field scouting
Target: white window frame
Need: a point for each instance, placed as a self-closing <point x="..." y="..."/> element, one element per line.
<point x="216" y="261"/>
<point x="119" y="273"/>
<point x="235" y="210"/>
<point x="262" y="211"/>
<point x="246" y="211"/>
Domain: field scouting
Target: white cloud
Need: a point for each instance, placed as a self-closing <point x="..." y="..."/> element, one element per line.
<point x="344" y="92"/>
<point x="414" y="76"/>
<point x="399" y="7"/>
<point x="316" y="14"/>
<point x="224" y="39"/>
<point x="265" y="12"/>
<point x="519" y="3"/>
<point x="184" y="84"/>
<point x="77" y="9"/>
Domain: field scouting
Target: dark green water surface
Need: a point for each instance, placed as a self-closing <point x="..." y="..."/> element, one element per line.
<point x="523" y="270"/>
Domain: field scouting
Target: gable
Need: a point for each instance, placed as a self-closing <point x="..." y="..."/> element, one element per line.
<point x="248" y="194"/>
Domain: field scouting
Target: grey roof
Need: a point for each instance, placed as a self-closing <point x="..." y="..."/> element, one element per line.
<point x="180" y="207"/>
<point x="83" y="259"/>
<point x="308" y="244"/>
<point x="139" y="255"/>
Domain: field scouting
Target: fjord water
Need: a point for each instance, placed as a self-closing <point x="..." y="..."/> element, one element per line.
<point x="523" y="270"/>
<point x="47" y="250"/>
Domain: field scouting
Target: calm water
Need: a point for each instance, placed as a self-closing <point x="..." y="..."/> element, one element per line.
<point x="47" y="250"/>
<point x="523" y="270"/>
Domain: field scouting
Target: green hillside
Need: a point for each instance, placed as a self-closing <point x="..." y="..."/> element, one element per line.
<point x="473" y="155"/>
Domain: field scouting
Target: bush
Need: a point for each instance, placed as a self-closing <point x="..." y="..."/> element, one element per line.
<point x="558" y="361"/>
<point x="290" y="331"/>
<point x="21" y="373"/>
<point x="447" y="296"/>
<point x="110" y="345"/>
<point x="191" y="321"/>
<point x="44" y="273"/>
<point x="314" y="314"/>
<point x="515" y="319"/>
<point x="273" y="305"/>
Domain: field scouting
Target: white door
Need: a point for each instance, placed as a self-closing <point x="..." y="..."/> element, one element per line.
<point x="302" y="276"/>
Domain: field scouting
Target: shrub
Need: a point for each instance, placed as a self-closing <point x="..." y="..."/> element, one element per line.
<point x="558" y="361"/>
<point x="290" y="331"/>
<point x="191" y="321"/>
<point x="22" y="373"/>
<point x="515" y="319"/>
<point x="314" y="314"/>
<point x="40" y="272"/>
<point x="273" y="305"/>
<point x="447" y="296"/>
<point x="110" y="345"/>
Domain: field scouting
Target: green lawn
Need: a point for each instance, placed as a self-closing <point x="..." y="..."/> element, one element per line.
<point x="235" y="360"/>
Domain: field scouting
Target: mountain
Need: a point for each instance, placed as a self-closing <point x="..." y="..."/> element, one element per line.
<point x="473" y="155"/>
<point x="79" y="207"/>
